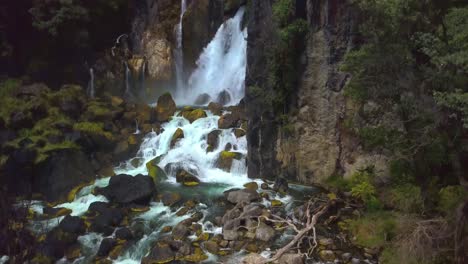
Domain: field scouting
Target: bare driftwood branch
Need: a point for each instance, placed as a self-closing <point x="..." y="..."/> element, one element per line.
<point x="309" y="225"/>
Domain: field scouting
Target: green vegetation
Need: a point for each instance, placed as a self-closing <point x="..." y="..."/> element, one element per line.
<point x="409" y="79"/>
<point x="373" y="230"/>
<point x="93" y="128"/>
<point x="283" y="58"/>
<point x="450" y="198"/>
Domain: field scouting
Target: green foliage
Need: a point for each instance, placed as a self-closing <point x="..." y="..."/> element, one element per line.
<point x="338" y="182"/>
<point x="362" y="187"/>
<point x="51" y="15"/>
<point x="282" y="11"/>
<point x="450" y="198"/>
<point x="373" y="230"/>
<point x="7" y="101"/>
<point x="283" y="56"/>
<point x="407" y="198"/>
<point x="93" y="129"/>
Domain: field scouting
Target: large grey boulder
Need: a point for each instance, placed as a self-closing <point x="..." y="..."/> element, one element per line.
<point x="126" y="189"/>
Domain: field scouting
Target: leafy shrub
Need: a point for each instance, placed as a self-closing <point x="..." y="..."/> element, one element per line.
<point x="407" y="198"/>
<point x="373" y="230"/>
<point x="450" y="198"/>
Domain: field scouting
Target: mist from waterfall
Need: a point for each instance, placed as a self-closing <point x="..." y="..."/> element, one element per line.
<point x="221" y="67"/>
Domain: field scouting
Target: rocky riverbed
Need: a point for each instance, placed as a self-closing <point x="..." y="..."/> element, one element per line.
<point x="184" y="196"/>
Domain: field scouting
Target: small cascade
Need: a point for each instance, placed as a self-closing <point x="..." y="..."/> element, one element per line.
<point x="127" y="80"/>
<point x="178" y="53"/>
<point x="221" y="67"/>
<point x="137" y="129"/>
<point x="90" y="91"/>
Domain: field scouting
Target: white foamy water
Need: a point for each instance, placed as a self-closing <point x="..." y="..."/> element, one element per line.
<point x="221" y="66"/>
<point x="190" y="152"/>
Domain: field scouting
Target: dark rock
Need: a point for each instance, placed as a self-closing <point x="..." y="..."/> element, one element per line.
<point x="226" y="159"/>
<point x="245" y="195"/>
<point x="165" y="108"/>
<point x="60" y="173"/>
<point x="200" y="23"/>
<point x="223" y="98"/>
<point x="125" y="189"/>
<point x="106" y="246"/>
<point x="178" y="134"/>
<point x="124" y="233"/>
<point x="104" y="218"/>
<point x="187" y="178"/>
<point x="160" y="253"/>
<point x="203" y="99"/>
<point x="62" y="237"/>
<point x="170" y="198"/>
<point x="180" y="231"/>
<point x="239" y="132"/>
<point x="228" y="147"/>
<point x="281" y="185"/>
<point x="215" y="108"/>
<point x="228" y="121"/>
<point x="213" y="139"/>
<point x="72" y="224"/>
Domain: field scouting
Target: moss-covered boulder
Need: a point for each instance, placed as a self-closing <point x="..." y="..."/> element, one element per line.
<point x="194" y="114"/>
<point x="160" y="253"/>
<point x="226" y="158"/>
<point x="154" y="171"/>
<point x="165" y="108"/>
<point x="186" y="178"/>
<point x="238" y="132"/>
<point x="215" y="108"/>
<point x="178" y="134"/>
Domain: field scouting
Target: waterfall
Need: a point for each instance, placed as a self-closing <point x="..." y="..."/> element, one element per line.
<point x="221" y="67"/>
<point x="90" y="91"/>
<point x="178" y="53"/>
<point x="127" y="80"/>
<point x="137" y="130"/>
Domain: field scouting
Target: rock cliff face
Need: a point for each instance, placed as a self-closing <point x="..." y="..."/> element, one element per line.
<point x="153" y="33"/>
<point x="319" y="145"/>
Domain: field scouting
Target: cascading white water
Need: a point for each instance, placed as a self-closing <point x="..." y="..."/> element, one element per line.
<point x="178" y="53"/>
<point x="91" y="92"/>
<point x="222" y="65"/>
<point x="190" y="152"/>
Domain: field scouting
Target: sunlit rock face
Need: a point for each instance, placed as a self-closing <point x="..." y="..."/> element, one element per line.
<point x="153" y="37"/>
<point x="318" y="146"/>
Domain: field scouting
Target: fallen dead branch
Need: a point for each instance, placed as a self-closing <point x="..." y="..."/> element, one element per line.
<point x="311" y="217"/>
